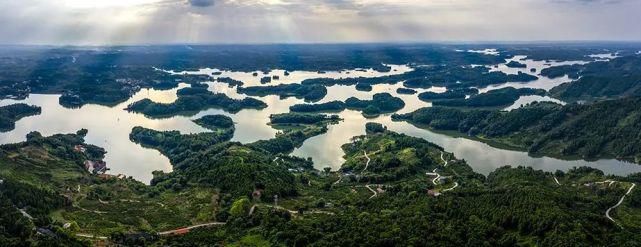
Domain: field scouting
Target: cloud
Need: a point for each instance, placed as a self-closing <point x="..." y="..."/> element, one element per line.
<point x="314" y="21"/>
<point x="202" y="3"/>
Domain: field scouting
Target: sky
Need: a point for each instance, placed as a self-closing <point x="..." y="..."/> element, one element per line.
<point x="115" y="22"/>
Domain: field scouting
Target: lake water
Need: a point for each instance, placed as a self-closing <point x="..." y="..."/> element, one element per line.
<point x="109" y="127"/>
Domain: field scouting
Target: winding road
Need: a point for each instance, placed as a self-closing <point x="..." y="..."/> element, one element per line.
<point x="557" y="181"/>
<point x="373" y="191"/>
<point x="443" y="159"/>
<point x="607" y="212"/>
<point x="434" y="173"/>
<point x="454" y="187"/>
<point x="368" y="160"/>
<point x="437" y="175"/>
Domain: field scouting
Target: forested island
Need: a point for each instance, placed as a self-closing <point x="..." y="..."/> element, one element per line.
<point x="310" y="93"/>
<point x="494" y="98"/>
<point x="455" y="93"/>
<point x="619" y="77"/>
<point x="191" y="100"/>
<point x="515" y="64"/>
<point x="426" y="77"/>
<point x="364" y="87"/>
<point x="9" y="114"/>
<point x="405" y="91"/>
<point x="607" y="129"/>
<point x="380" y="103"/>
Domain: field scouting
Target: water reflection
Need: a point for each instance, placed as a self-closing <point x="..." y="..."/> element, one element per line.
<point x="326" y="152"/>
<point x="109" y="127"/>
<point x="524" y="100"/>
<point x="249" y="79"/>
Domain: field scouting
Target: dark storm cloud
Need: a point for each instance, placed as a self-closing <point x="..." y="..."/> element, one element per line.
<point x="202" y="3"/>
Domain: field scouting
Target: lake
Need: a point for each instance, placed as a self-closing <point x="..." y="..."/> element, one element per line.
<point x="109" y="127"/>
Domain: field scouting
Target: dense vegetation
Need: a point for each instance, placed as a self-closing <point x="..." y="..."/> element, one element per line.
<point x="9" y="114"/>
<point x="512" y="206"/>
<point x="456" y="93"/>
<point x="604" y="129"/>
<point x="437" y="75"/>
<point x="296" y="128"/>
<point x="308" y="92"/>
<point x="33" y="175"/>
<point x="364" y="87"/>
<point x="231" y="82"/>
<point x="298" y="118"/>
<point x="380" y="103"/>
<point x="215" y="122"/>
<point x="392" y="190"/>
<point x="495" y="98"/>
<point x="191" y="100"/>
<point x="332" y="106"/>
<point x="109" y="75"/>
<point x="618" y="77"/>
<point x="403" y="90"/>
<point x="315" y="208"/>
<point x="372" y="128"/>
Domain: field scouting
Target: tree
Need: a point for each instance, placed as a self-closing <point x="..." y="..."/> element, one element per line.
<point x="239" y="208"/>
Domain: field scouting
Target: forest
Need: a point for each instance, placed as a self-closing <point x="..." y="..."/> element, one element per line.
<point x="456" y="93"/>
<point x="380" y="103"/>
<point x="391" y="189"/>
<point x="606" y="129"/>
<point x="316" y="208"/>
<point x="192" y="100"/>
<point x="494" y="98"/>
<point x="310" y="93"/>
<point x="620" y="77"/>
<point x="9" y="114"/>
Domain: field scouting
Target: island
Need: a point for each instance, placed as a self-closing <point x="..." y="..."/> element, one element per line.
<point x="403" y="90"/>
<point x="10" y="114"/>
<point x="310" y="93"/>
<point x="515" y="64"/>
<point x="494" y="98"/>
<point x="543" y="128"/>
<point x="364" y="87"/>
<point x="192" y="100"/>
<point x="380" y="103"/>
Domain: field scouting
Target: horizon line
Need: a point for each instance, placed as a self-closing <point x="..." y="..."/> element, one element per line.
<point x="460" y="42"/>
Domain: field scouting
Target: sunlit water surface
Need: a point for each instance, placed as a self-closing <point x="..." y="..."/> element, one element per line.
<point x="109" y="127"/>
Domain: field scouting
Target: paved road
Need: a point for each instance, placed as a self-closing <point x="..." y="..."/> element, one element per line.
<point x="373" y="191"/>
<point x="434" y="173"/>
<point x="557" y="181"/>
<point x="187" y="229"/>
<point x="368" y="160"/>
<point x="607" y="212"/>
<point x="82" y="235"/>
<point x="454" y="187"/>
<point x="443" y="159"/>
